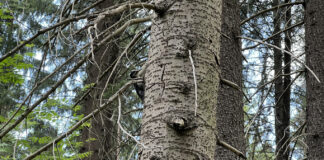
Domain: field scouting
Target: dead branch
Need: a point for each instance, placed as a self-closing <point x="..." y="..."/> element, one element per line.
<point x="270" y="9"/>
<point x="231" y="148"/>
<point x="284" y="30"/>
<point x="83" y="120"/>
<point x="235" y="86"/>
<point x="79" y="64"/>
<point x="100" y="16"/>
<point x="291" y="54"/>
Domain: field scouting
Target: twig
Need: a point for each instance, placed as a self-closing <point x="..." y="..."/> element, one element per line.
<point x="106" y="13"/>
<point x="270" y="9"/>
<point x="83" y="120"/>
<point x="131" y="154"/>
<point x="128" y="47"/>
<point x="291" y="54"/>
<point x="231" y="148"/>
<point x="235" y="86"/>
<point x="288" y="87"/>
<point x="258" y="112"/>
<point x="40" y="32"/>
<point x="29" y="110"/>
<point x="45" y="96"/>
<point x="284" y="30"/>
<point x="195" y="81"/>
<point x="133" y="110"/>
<point x="121" y="127"/>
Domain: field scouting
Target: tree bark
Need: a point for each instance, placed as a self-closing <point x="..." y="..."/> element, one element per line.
<point x="229" y="110"/>
<point x="281" y="111"/>
<point x="315" y="90"/>
<point x="99" y="138"/>
<point x="171" y="129"/>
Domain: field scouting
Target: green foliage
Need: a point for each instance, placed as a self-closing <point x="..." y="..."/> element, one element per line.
<point x="5" y="14"/>
<point x="10" y="67"/>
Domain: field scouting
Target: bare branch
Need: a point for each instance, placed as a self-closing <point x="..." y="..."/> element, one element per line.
<point x="83" y="120"/>
<point x="79" y="64"/>
<point x="44" y="97"/>
<point x="270" y="9"/>
<point x="291" y="54"/>
<point x="100" y="16"/>
<point x="128" y="47"/>
<point x="231" y="148"/>
<point x="284" y="30"/>
<point x="40" y="32"/>
<point x="235" y="86"/>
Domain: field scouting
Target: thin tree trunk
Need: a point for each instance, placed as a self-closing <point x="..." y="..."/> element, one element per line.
<point x="99" y="137"/>
<point x="285" y="150"/>
<point x="315" y="90"/>
<point x="281" y="119"/>
<point x="172" y="126"/>
<point x="229" y="110"/>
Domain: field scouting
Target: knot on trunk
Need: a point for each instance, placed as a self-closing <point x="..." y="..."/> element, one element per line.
<point x="155" y="158"/>
<point x="161" y="6"/>
<point x="181" y="123"/>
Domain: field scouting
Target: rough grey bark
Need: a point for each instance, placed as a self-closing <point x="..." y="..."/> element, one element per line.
<point x="229" y="110"/>
<point x="315" y="90"/>
<point x="99" y="138"/>
<point x="170" y="128"/>
<point x="281" y="111"/>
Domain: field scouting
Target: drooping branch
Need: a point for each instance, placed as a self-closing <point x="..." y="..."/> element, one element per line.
<point x="44" y="97"/>
<point x="128" y="47"/>
<point x="73" y="19"/>
<point x="39" y="84"/>
<point x="79" y="64"/>
<point x="40" y="32"/>
<point x="82" y="121"/>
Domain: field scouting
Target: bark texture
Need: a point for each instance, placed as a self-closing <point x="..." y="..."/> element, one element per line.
<point x="282" y="112"/>
<point x="170" y="128"/>
<point x="229" y="110"/>
<point x="315" y="90"/>
<point x="99" y="138"/>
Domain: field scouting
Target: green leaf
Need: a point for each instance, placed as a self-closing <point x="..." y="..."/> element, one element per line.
<point x="44" y="140"/>
<point x="3" y="119"/>
<point x="30" y="54"/>
<point x="30" y="45"/>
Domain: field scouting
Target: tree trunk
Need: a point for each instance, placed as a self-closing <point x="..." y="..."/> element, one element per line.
<point x="281" y="111"/>
<point x="315" y="90"/>
<point x="285" y="150"/>
<point x="99" y="137"/>
<point x="229" y="110"/>
<point x="171" y="129"/>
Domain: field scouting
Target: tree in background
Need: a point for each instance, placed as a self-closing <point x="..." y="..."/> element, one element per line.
<point x="229" y="110"/>
<point x="315" y="91"/>
<point x="72" y="39"/>
<point x="282" y="107"/>
<point x="100" y="137"/>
